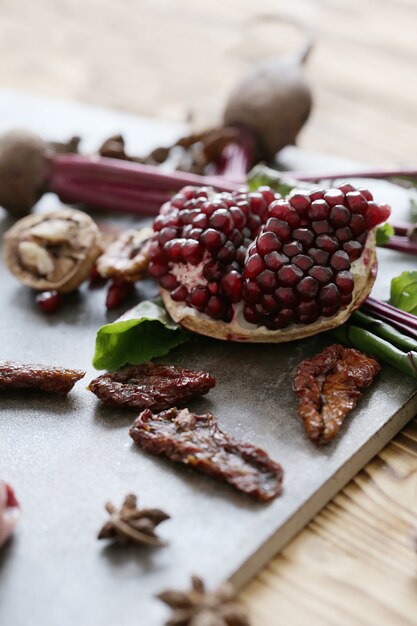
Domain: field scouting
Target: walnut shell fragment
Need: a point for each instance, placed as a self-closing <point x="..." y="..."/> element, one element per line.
<point x="126" y="258"/>
<point x="52" y="251"/>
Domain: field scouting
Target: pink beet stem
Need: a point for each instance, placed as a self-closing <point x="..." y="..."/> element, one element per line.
<point x="402" y="244"/>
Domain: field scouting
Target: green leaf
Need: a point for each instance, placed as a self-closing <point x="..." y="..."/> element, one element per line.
<point x="142" y="333"/>
<point x="404" y="292"/>
<point x="262" y="175"/>
<point x="383" y="234"/>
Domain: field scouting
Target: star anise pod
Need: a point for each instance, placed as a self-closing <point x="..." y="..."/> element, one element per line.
<point x="133" y="524"/>
<point x="199" y="607"/>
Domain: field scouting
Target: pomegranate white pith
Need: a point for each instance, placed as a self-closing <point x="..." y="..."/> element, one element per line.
<point x="258" y="267"/>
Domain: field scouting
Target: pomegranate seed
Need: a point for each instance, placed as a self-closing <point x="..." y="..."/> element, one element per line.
<point x="213" y="239"/>
<point x="328" y="243"/>
<point x="257" y="204"/>
<point x="269" y="304"/>
<point x="279" y="227"/>
<point x="189" y="191"/>
<point x="282" y="210"/>
<point x="322" y="227"/>
<point x="329" y="295"/>
<point x="307" y="312"/>
<point x="303" y="261"/>
<point x="319" y="210"/>
<point x="366" y="194"/>
<point x="357" y="203"/>
<point x="307" y="288"/>
<point x="187" y="216"/>
<point x="344" y="234"/>
<point x="250" y="314"/>
<point x="320" y="257"/>
<point x="254" y="266"/>
<point x="346" y="188"/>
<point x="231" y="285"/>
<point x="300" y="203"/>
<point x="208" y="209"/>
<point x="96" y="279"/>
<point x="376" y="214"/>
<point x="195" y="233"/>
<point x="166" y="234"/>
<point x="168" y="282"/>
<point x="199" y="297"/>
<point x="238" y="217"/>
<point x="48" y="301"/>
<point x="275" y="260"/>
<point x="236" y="237"/>
<point x="286" y="296"/>
<point x="344" y="282"/>
<point x="268" y="242"/>
<point x="353" y="248"/>
<point x="289" y="275"/>
<point x="241" y="255"/>
<point x="212" y="271"/>
<point x="340" y="261"/>
<point x="164" y="220"/>
<point x="227" y="253"/>
<point x="268" y="194"/>
<point x="157" y="269"/>
<point x="266" y="281"/>
<point x="284" y="318"/>
<point x="320" y="273"/>
<point x="200" y="221"/>
<point x="192" y="252"/>
<point x="213" y="288"/>
<point x="334" y="197"/>
<point x="180" y="293"/>
<point x="215" y="307"/>
<point x="357" y="224"/>
<point x="252" y="291"/>
<point x="339" y="216"/>
<point x="254" y="223"/>
<point x="328" y="311"/>
<point x="292" y="249"/>
<point x="316" y="194"/>
<point x="304" y="235"/>
<point x="228" y="314"/>
<point x="362" y="238"/>
<point x="178" y="200"/>
<point x="222" y="220"/>
<point x="243" y="206"/>
<point x="173" y="249"/>
<point x="117" y="293"/>
<point x="346" y="299"/>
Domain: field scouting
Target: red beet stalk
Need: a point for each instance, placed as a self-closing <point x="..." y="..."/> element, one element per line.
<point x="406" y="322"/>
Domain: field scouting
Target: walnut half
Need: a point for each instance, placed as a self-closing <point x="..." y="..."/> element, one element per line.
<point x="55" y="250"/>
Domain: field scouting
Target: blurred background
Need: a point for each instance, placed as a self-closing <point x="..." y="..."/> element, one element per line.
<point x="178" y="60"/>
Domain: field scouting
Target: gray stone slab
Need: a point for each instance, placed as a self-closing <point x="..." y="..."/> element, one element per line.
<point x="65" y="458"/>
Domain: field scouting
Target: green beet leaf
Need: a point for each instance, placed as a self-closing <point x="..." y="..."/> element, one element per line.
<point x="404" y="292"/>
<point x="142" y="333"/>
<point x="383" y="234"/>
<point x="261" y="175"/>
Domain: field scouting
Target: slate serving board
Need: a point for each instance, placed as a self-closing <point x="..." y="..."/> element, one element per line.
<point x="65" y="458"/>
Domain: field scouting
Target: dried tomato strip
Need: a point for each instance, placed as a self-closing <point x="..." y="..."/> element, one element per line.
<point x="39" y="377"/>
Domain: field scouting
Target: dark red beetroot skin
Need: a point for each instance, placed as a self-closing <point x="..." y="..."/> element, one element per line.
<point x="287" y="260"/>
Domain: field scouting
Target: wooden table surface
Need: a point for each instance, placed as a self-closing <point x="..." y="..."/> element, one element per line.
<point x="356" y="562"/>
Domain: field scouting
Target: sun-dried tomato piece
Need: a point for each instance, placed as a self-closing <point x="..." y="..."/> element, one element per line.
<point x="197" y="441"/>
<point x="151" y="386"/>
<point x="39" y="377"/>
<point x="329" y="387"/>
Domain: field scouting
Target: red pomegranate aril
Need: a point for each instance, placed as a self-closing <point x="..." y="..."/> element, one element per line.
<point x="275" y="260"/>
<point x="356" y="202"/>
<point x="279" y="227"/>
<point x="243" y="205"/>
<point x="189" y="191"/>
<point x="334" y="197"/>
<point x="252" y="292"/>
<point x="269" y="304"/>
<point x="200" y="221"/>
<point x="227" y="253"/>
<point x="344" y="234"/>
<point x="236" y="238"/>
<point x="192" y="252"/>
<point x="304" y="236"/>
<point x="353" y="249"/>
<point x="307" y="288"/>
<point x="282" y="210"/>
<point x="212" y="239"/>
<point x="346" y="188"/>
<point x="208" y="209"/>
<point x="212" y="271"/>
<point x="168" y="282"/>
<point x="340" y="261"/>
<point x="267" y="242"/>
<point x="215" y="308"/>
<point x="303" y="261"/>
<point x="268" y="194"/>
<point x="173" y="249"/>
<point x="180" y="294"/>
<point x="157" y="269"/>
<point x="339" y="216"/>
<point x="308" y="311"/>
<point x="231" y="285"/>
<point x="328" y="243"/>
<point x="286" y="297"/>
<point x="320" y="257"/>
<point x="300" y="203"/>
<point x="316" y="194"/>
<point x="357" y="224"/>
<point x="284" y="318"/>
<point x="254" y="222"/>
<point x="346" y="299"/>
<point x="376" y="214"/>
<point x="322" y="227"/>
<point x="238" y="217"/>
<point x="48" y="301"/>
<point x="154" y="251"/>
<point x="320" y="273"/>
<point x="117" y="294"/>
<point x="292" y="249"/>
<point x="195" y="233"/>
<point x="228" y="314"/>
<point x="166" y="234"/>
<point x="179" y="200"/>
<point x="199" y="297"/>
<point x="254" y="266"/>
<point x="214" y="288"/>
<point x="266" y="281"/>
<point x="250" y="314"/>
<point x="344" y="282"/>
<point x="289" y="275"/>
<point x="362" y="238"/>
<point x="257" y="203"/>
<point x="328" y="311"/>
<point x="187" y="216"/>
<point x="222" y="220"/>
<point x="319" y="210"/>
<point x="241" y="255"/>
<point x="366" y="194"/>
<point x="329" y="295"/>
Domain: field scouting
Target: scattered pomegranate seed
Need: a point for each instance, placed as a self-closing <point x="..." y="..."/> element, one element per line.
<point x="49" y="301"/>
<point x="117" y="294"/>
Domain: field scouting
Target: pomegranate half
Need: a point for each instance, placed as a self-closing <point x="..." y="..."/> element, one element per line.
<point x="253" y="266"/>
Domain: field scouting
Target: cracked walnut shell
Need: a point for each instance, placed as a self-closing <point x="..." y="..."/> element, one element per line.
<point x="52" y="251"/>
